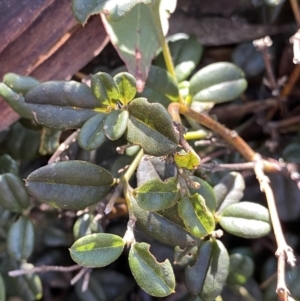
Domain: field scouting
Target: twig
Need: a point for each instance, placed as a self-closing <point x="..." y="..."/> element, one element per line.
<point x="63" y="146"/>
<point x="293" y="78"/>
<point x="295" y="8"/>
<point x="44" y="269"/>
<point x="283" y="252"/>
<point x="235" y="166"/>
<point x="115" y="194"/>
<point x="263" y="45"/>
<point x="77" y="277"/>
<point x="86" y="280"/>
<point x="283" y="123"/>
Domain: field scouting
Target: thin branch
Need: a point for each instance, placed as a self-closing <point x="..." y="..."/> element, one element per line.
<point x="284" y="252"/>
<point x="44" y="269"/>
<point x="79" y="275"/>
<point x="295" y="8"/>
<point x="228" y="135"/>
<point x="213" y="167"/>
<point x="63" y="146"/>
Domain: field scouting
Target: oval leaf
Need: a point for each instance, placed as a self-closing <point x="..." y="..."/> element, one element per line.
<point x="218" y="82"/>
<point x="19" y="83"/>
<point x="71" y="185"/>
<point x="229" y="190"/>
<point x="13" y="195"/>
<point x="189" y="160"/>
<point x="156" y="195"/>
<point x="135" y="39"/>
<point x="105" y="89"/>
<point x="150" y="126"/>
<point x="208" y="275"/>
<point x="62" y="105"/>
<point x="8" y="164"/>
<point x="115" y="124"/>
<point x="161" y="228"/>
<point x="156" y="279"/>
<point x="97" y="250"/>
<point x="248" y="220"/>
<point x="206" y="191"/>
<point x="195" y="215"/>
<point x="160" y="87"/>
<point x="241" y="269"/>
<point x="16" y="101"/>
<point x="91" y="135"/>
<point x="127" y="86"/>
<point x="20" y="241"/>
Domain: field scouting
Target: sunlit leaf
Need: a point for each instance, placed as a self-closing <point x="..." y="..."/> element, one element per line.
<point x="127" y="86"/>
<point x="218" y="82"/>
<point x="189" y="160"/>
<point x="156" y="279"/>
<point x="19" y="83"/>
<point x="105" y="89"/>
<point x="97" y="250"/>
<point x="156" y="195"/>
<point x="246" y="219"/>
<point x="195" y="215"/>
<point x="135" y="38"/>
<point x="206" y="191"/>
<point x="151" y="127"/>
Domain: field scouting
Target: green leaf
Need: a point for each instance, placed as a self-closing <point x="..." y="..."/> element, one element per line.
<point x="229" y="190"/>
<point x="13" y="195"/>
<point x="19" y="83"/>
<point x="186" y="256"/>
<point x="115" y="124"/>
<point x="127" y="86"/>
<point x="49" y="141"/>
<point x="114" y="10"/>
<point x="20" y="241"/>
<point x="291" y="153"/>
<point x="135" y="38"/>
<point x="160" y="87"/>
<point x="161" y="228"/>
<point x="156" y="195"/>
<point x="62" y="105"/>
<point x="71" y="185"/>
<point x="218" y="82"/>
<point x="97" y="250"/>
<point x="91" y="135"/>
<point x="245" y="219"/>
<point x="2" y="289"/>
<point x="240" y="270"/>
<point x="206" y="191"/>
<point x="156" y="279"/>
<point x="8" y="164"/>
<point x="189" y="160"/>
<point x="195" y="215"/>
<point x="186" y="53"/>
<point x="16" y="101"/>
<point x="208" y="275"/>
<point x="151" y="127"/>
<point x="105" y="89"/>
